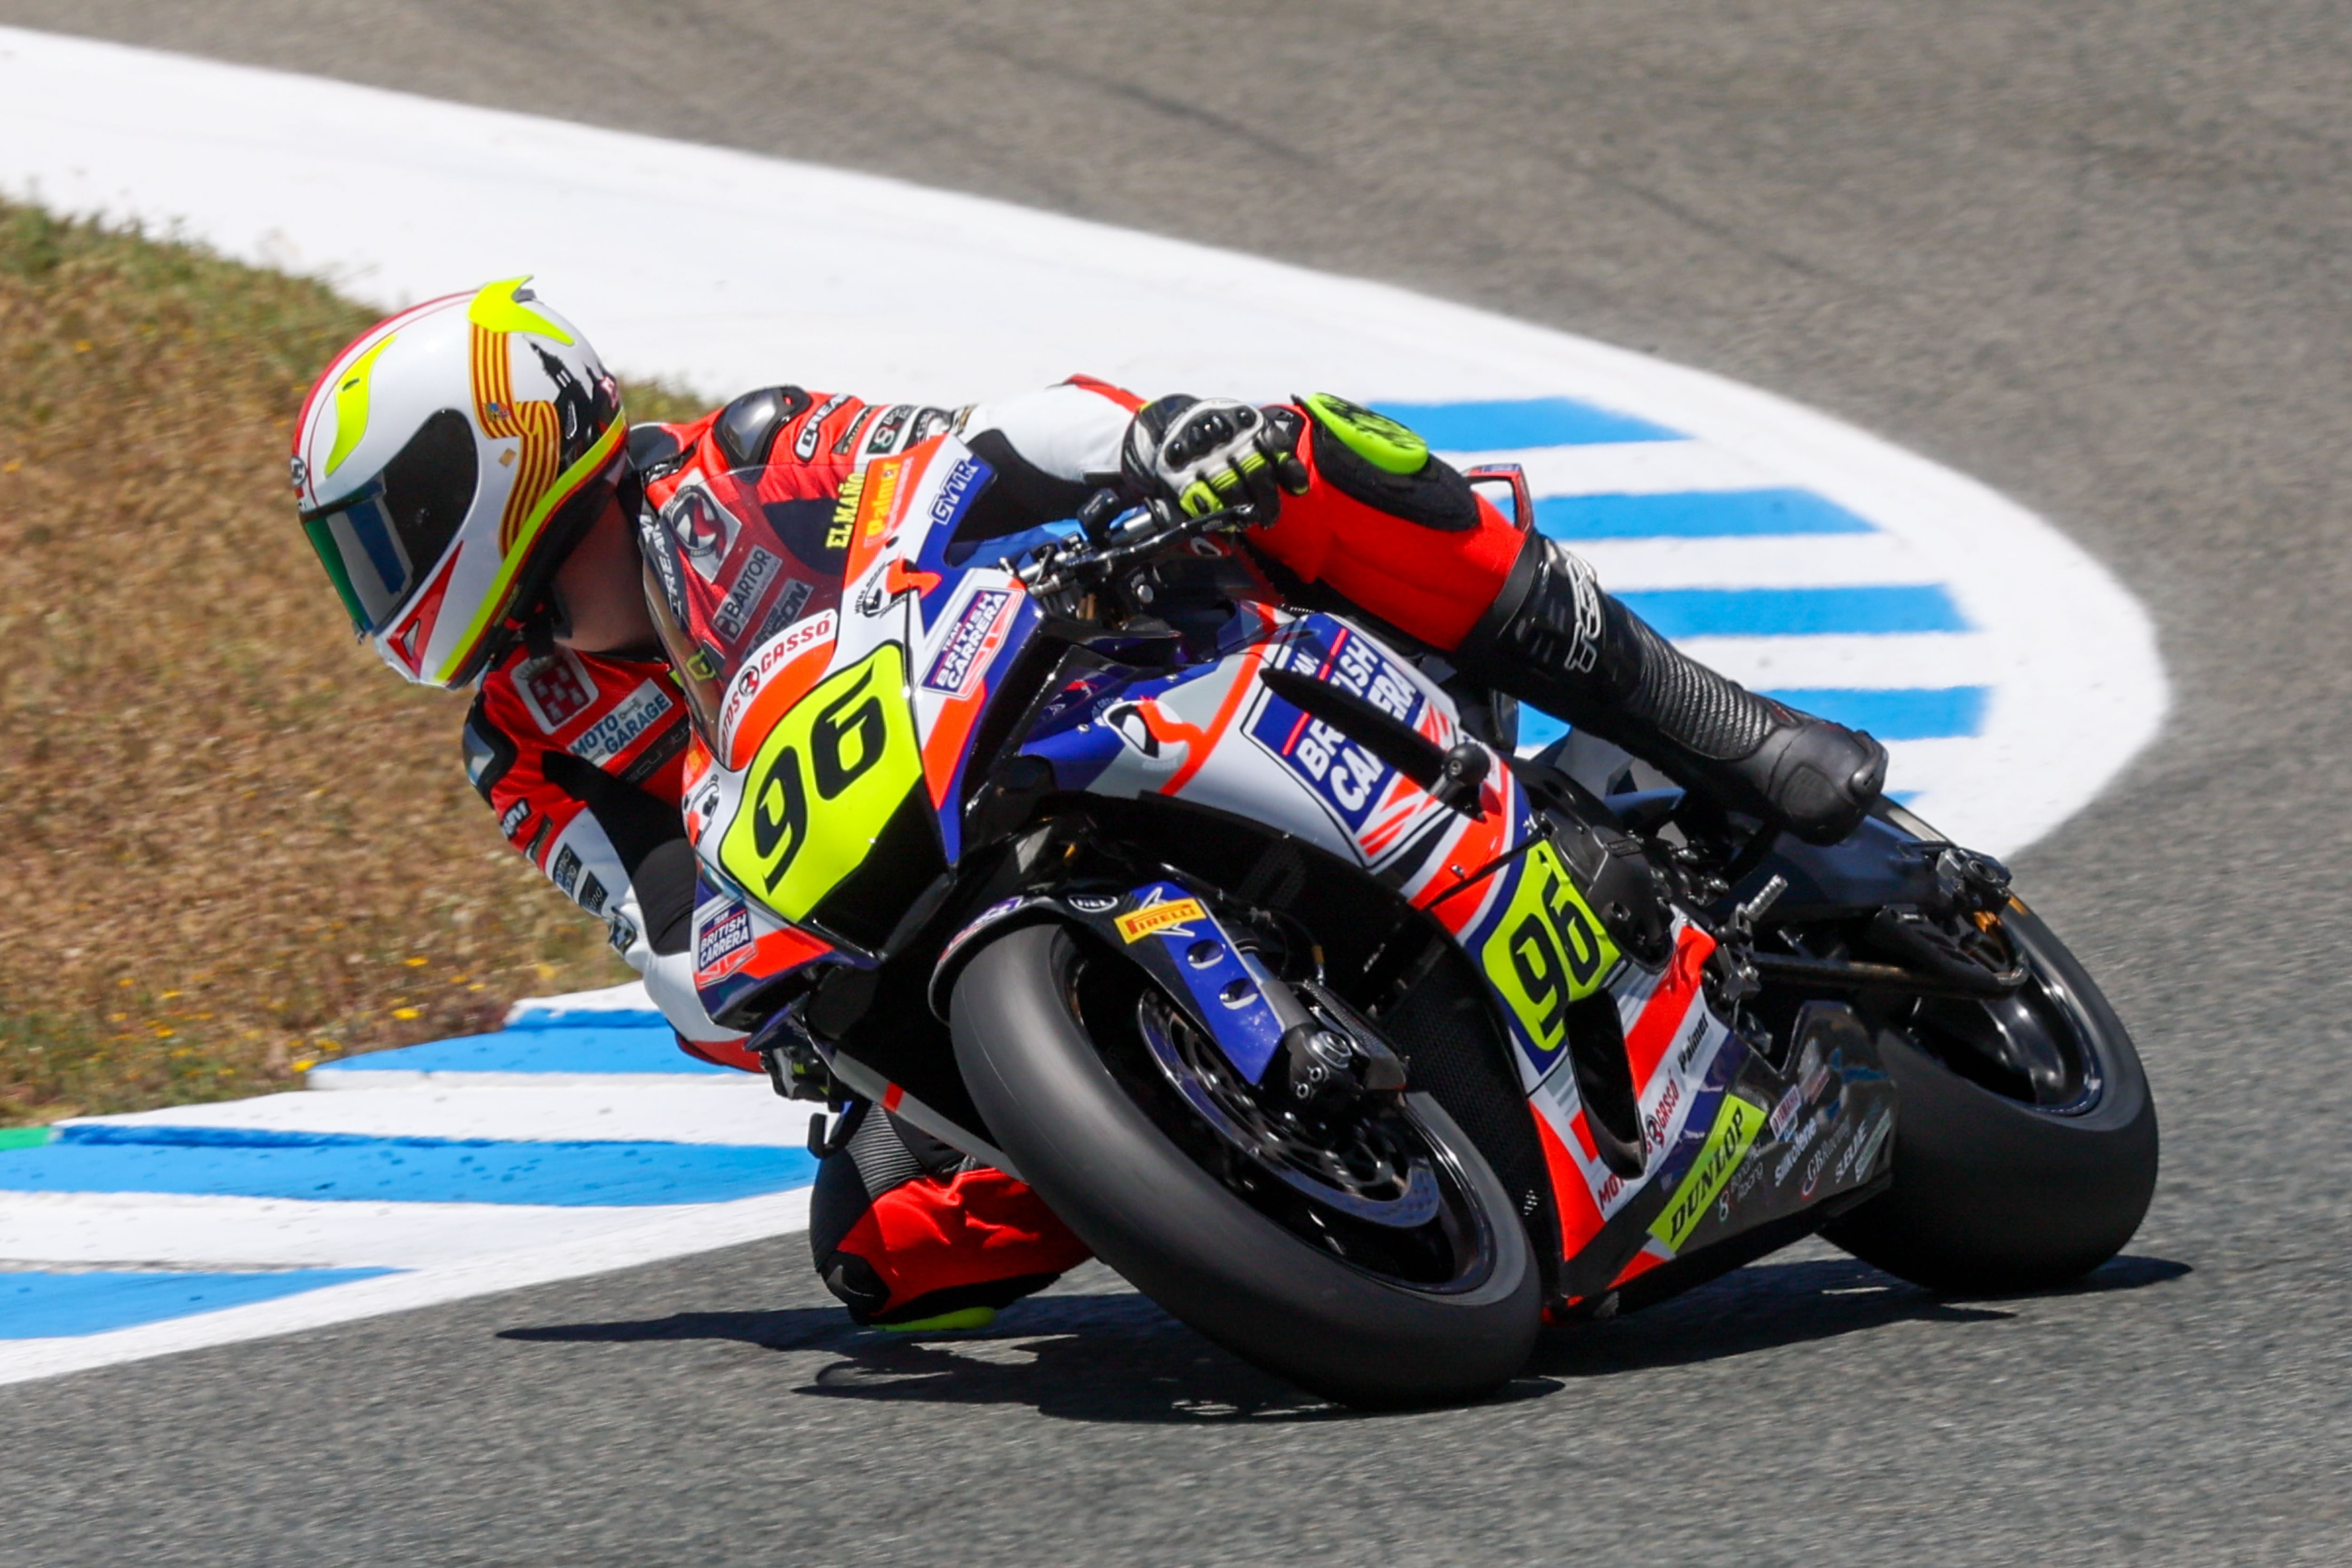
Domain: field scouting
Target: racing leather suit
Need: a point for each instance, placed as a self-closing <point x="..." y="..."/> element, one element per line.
<point x="580" y="755"/>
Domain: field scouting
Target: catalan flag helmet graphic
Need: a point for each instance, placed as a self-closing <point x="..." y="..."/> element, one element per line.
<point x="443" y="466"/>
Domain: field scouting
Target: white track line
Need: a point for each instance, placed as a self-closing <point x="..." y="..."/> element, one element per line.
<point x="1912" y="659"/>
<point x="126" y="1229"/>
<point x="1772" y="560"/>
<point x="1628" y="468"/>
<point x="628" y="997"/>
<point x="772" y="270"/>
<point x="380" y="1080"/>
<point x="775" y="270"/>
<point x="667" y="1233"/>
<point x="740" y="1111"/>
<point x="1911" y="763"/>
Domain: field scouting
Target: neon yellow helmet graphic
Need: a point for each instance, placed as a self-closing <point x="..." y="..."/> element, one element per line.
<point x="446" y="462"/>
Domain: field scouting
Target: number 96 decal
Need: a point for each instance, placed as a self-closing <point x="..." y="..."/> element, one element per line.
<point x="822" y="785"/>
<point x="1550" y="950"/>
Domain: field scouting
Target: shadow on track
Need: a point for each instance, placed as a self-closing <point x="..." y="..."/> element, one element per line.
<point x="1114" y="1356"/>
<point x="1082" y="1357"/>
<point x="1766" y="1305"/>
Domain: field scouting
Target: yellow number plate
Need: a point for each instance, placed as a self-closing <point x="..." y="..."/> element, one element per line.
<point x="824" y="784"/>
<point x="1550" y="950"/>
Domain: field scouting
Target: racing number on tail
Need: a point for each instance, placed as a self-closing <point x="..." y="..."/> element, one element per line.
<point x="824" y="784"/>
<point x="1549" y="951"/>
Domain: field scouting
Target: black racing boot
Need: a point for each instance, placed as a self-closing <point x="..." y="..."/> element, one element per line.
<point x="1554" y="639"/>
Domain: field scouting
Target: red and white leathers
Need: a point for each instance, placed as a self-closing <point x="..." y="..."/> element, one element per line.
<point x="580" y="754"/>
<point x="579" y="757"/>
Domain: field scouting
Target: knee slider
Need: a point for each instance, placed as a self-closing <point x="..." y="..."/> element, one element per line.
<point x="1371" y="458"/>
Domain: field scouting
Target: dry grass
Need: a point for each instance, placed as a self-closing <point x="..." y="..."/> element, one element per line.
<point x="234" y="844"/>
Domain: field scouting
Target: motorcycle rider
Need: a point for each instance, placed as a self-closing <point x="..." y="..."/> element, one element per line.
<point x="465" y="474"/>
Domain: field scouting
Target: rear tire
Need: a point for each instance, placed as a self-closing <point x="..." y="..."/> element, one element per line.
<point x="1154" y="1212"/>
<point x="2002" y="1183"/>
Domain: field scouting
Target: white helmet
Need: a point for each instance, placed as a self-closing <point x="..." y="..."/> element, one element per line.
<point x="446" y="463"/>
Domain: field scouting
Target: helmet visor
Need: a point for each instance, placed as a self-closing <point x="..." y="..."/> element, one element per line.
<point x="379" y="541"/>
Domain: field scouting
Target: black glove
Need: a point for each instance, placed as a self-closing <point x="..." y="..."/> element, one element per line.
<point x="1202" y="454"/>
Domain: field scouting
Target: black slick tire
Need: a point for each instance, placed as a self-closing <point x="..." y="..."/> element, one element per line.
<point x="1990" y="1195"/>
<point x="1152" y="1213"/>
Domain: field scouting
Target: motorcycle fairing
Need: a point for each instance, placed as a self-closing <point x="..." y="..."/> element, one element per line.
<point x="1677" y="1053"/>
<point x="1715" y="1117"/>
<point x="966" y="624"/>
<point x="740" y="944"/>
<point x="1543" y="950"/>
<point x="916" y="645"/>
<point x="1212" y="735"/>
<point x="1825" y="1131"/>
<point x="751" y="810"/>
<point x="1606" y="1226"/>
<point x="1762" y="1146"/>
<point x="1170" y="930"/>
<point x="1373" y="804"/>
<point x="822" y="785"/>
<point x="983" y="623"/>
<point x="833" y="720"/>
<point x="1215" y="737"/>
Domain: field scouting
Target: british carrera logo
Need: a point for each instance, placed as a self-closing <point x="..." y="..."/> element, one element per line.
<point x="1350" y="777"/>
<point x="978" y="633"/>
<point x="720" y="941"/>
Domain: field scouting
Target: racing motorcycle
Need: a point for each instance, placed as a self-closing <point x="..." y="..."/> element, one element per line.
<point x="1360" y="1043"/>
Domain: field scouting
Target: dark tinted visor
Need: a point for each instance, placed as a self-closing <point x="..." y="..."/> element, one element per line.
<point x="376" y="542"/>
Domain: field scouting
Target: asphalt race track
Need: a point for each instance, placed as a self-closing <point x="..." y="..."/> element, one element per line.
<point x="2100" y="259"/>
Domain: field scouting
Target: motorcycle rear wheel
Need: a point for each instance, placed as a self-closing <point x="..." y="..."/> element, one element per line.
<point x="1087" y="1130"/>
<point x="2025" y="1140"/>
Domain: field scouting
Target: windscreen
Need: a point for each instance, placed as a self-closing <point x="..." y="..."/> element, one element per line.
<point x="734" y="562"/>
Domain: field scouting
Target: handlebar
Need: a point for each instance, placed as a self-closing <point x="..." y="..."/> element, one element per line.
<point x="1104" y="549"/>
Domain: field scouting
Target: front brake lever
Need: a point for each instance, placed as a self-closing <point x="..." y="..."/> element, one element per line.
<point x="1092" y="566"/>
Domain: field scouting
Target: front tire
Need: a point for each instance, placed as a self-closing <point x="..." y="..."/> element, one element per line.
<point x="1185" y="1238"/>
<point x="2025" y="1140"/>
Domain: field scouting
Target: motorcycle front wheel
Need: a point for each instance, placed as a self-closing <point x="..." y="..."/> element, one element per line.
<point x="1378" y="1263"/>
